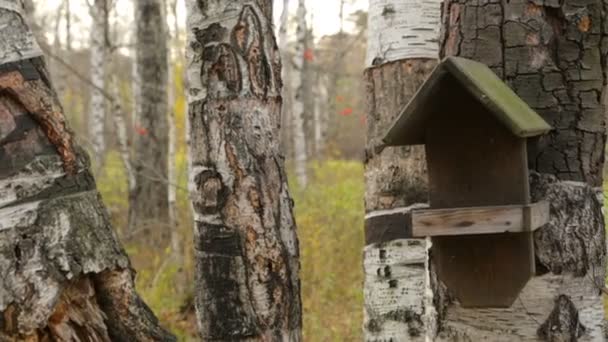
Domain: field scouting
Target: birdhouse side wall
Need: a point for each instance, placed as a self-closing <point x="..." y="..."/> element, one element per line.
<point x="473" y="160"/>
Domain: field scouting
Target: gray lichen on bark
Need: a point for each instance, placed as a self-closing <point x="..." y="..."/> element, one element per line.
<point x="15" y="44"/>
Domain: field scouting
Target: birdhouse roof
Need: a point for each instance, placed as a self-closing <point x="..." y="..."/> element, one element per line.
<point x="482" y="84"/>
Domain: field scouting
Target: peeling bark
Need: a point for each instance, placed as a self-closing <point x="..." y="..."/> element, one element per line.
<point x="247" y="283"/>
<point x="552" y="54"/>
<point x="57" y="248"/>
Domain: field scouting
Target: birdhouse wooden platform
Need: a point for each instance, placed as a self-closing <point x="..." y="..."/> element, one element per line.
<point x="474" y="128"/>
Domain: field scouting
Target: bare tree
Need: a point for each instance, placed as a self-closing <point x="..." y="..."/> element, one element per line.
<point x="65" y="275"/>
<point x="298" y="102"/>
<point x="148" y="202"/>
<point x="97" y="103"/>
<point x="247" y="268"/>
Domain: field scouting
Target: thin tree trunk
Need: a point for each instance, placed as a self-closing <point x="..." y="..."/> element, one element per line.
<point x="68" y="26"/>
<point x="97" y="102"/>
<point x="552" y="55"/>
<point x="247" y="282"/>
<point x="176" y="249"/>
<point x="400" y="55"/>
<point x="320" y="113"/>
<point x="148" y="202"/>
<point x="65" y="275"/>
<point x="30" y="16"/>
<point x="283" y="43"/>
<point x="299" y="136"/>
<point x="120" y="125"/>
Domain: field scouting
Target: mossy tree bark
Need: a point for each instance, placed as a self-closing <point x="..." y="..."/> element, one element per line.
<point x="552" y="53"/>
<point x="148" y="200"/>
<point x="65" y="276"/>
<point x="247" y="283"/>
<point x="401" y="54"/>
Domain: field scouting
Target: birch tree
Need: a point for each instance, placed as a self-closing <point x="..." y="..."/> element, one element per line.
<point x="320" y="113"/>
<point x="148" y="202"/>
<point x="402" y="50"/>
<point x="247" y="268"/>
<point x="299" y="136"/>
<point x="171" y="171"/>
<point x="553" y="56"/>
<point x="98" y="52"/>
<point x="65" y="276"/>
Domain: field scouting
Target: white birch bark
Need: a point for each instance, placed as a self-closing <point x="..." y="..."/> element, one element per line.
<point x="320" y="114"/>
<point x="299" y="136"/>
<point x="98" y="50"/>
<point x="399" y="286"/>
<point x="171" y="169"/>
<point x="401" y="29"/>
<point x="284" y="21"/>
<point x="120" y="125"/>
<point x="246" y="247"/>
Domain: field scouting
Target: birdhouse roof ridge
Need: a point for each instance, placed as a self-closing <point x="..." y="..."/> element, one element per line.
<point x="483" y="85"/>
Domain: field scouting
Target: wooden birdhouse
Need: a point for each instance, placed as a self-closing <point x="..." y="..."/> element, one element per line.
<point x="474" y="128"/>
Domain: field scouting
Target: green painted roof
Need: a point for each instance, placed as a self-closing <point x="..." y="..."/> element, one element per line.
<point x="483" y="84"/>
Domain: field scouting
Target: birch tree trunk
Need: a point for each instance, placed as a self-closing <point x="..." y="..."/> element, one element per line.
<point x="247" y="282"/>
<point x="553" y="56"/>
<point x="320" y="113"/>
<point x="299" y="136"/>
<point x="402" y="50"/>
<point x="65" y="276"/>
<point x="148" y="202"/>
<point x="97" y="102"/>
<point x="283" y="43"/>
<point x="176" y="249"/>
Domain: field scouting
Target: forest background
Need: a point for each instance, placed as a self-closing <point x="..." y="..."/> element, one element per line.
<point x="329" y="208"/>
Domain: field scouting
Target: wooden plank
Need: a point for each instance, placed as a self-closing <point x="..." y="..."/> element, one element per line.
<point x="473" y="160"/>
<point x="479" y="220"/>
<point x="388" y="226"/>
<point x="537" y="214"/>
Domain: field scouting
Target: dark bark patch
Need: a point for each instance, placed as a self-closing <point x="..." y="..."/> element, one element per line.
<point x="218" y="239"/>
<point x="563" y="322"/>
<point x="388" y="10"/>
<point x="220" y="64"/>
<point x="568" y="243"/>
<point x="212" y="34"/>
<point x="213" y="192"/>
<point x="246" y="38"/>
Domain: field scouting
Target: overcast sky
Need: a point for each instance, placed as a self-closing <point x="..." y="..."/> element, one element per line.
<point x="325" y="14"/>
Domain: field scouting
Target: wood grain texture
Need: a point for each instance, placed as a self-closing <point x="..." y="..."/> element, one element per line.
<point x="479" y="220"/>
<point x="473" y="160"/>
